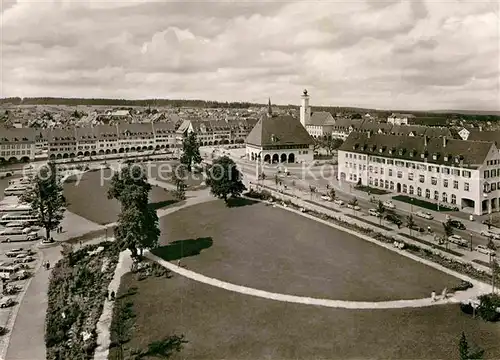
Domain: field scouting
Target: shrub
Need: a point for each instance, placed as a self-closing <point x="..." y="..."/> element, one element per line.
<point x="487" y="308"/>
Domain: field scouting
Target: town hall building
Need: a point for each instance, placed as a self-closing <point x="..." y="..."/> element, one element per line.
<point x="279" y="139"/>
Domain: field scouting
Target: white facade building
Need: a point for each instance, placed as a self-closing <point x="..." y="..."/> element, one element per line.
<point x="400" y="119"/>
<point x="449" y="172"/>
<point x="17" y="145"/>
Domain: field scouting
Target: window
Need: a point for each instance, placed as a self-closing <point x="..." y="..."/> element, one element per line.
<point x="355" y="177"/>
<point x="391" y="186"/>
<point x="445" y="197"/>
<point x="410" y="176"/>
<point x="421" y="178"/>
<point x="486" y="174"/>
<point x="446" y="171"/>
<point x="419" y="191"/>
<point x="405" y="188"/>
<point x="434" y="180"/>
<point x="387" y="184"/>
<point x="445" y="183"/>
<point x="493" y="173"/>
<point x="455" y="184"/>
<point x="493" y="186"/>
<point x="427" y="193"/>
<point x="376" y="182"/>
<point x="400" y="174"/>
<point x="466" y="174"/>
<point x="436" y="195"/>
<point x="376" y="170"/>
<point x="390" y="172"/>
<point x="466" y="186"/>
<point x="370" y="181"/>
<point x="381" y="171"/>
<point x="411" y="189"/>
<point x="370" y="168"/>
<point x="453" y="199"/>
<point x="456" y="172"/>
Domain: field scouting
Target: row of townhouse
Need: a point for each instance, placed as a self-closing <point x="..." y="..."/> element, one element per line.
<point x="110" y="139"/>
<point x="450" y="172"/>
<point x="17" y="145"/>
<point x="217" y="132"/>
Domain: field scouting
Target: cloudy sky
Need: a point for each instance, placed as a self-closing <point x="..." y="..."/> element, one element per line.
<point x="418" y="54"/>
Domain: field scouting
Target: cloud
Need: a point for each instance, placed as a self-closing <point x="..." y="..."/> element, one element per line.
<point x="392" y="54"/>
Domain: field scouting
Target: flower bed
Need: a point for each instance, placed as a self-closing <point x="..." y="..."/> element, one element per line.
<point x="466" y="269"/>
<point x="77" y="290"/>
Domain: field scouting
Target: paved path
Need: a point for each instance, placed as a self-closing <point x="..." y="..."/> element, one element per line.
<point x="103" y="334"/>
<point x="342" y="304"/>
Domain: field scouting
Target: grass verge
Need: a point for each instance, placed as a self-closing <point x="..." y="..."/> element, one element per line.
<point x="422" y="203"/>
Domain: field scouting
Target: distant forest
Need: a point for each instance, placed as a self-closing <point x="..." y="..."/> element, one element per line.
<point x="434" y="118"/>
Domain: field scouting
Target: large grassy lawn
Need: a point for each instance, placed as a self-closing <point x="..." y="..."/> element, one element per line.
<point x="162" y="171"/>
<point x="88" y="198"/>
<point x="275" y="250"/>
<point x="219" y="324"/>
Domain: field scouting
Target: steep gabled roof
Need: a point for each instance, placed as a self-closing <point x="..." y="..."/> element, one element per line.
<point x="492" y="136"/>
<point x="278" y="130"/>
<point x="321" y="118"/>
<point x="470" y="153"/>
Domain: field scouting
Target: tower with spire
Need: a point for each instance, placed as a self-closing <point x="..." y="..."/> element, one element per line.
<point x="269" y="108"/>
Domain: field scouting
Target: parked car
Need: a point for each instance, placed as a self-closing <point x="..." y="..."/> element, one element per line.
<point x="339" y="202"/>
<point x="490" y="234"/>
<point x="326" y="198"/>
<point x="6" y="302"/>
<point x="353" y="207"/>
<point x="417" y="228"/>
<point x="374" y="212"/>
<point x="394" y="219"/>
<point x="484" y="250"/>
<point x="457" y="224"/>
<point x="457" y="240"/>
<point x="389" y="204"/>
<point x="424" y="215"/>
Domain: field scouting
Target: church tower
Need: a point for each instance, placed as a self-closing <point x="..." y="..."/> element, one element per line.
<point x="269" y="109"/>
<point x="305" y="109"/>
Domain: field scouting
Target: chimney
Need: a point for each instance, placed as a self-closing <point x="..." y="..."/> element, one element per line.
<point x="444" y="141"/>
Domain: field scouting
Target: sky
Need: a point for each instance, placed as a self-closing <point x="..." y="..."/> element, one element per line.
<point x="414" y="55"/>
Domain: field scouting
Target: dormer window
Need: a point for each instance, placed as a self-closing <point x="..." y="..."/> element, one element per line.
<point x="401" y="152"/>
<point x="424" y="155"/>
<point x="374" y="147"/>
<point x="457" y="159"/>
<point x="434" y="156"/>
<point x="355" y="146"/>
<point x="412" y="153"/>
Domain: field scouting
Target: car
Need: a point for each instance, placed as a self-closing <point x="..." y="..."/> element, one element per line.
<point x="457" y="224"/>
<point x="339" y="202"/>
<point x="394" y="219"/>
<point x="417" y="228"/>
<point x="457" y="240"/>
<point x="389" y="204"/>
<point x="424" y="215"/>
<point x="374" y="212"/>
<point x="484" y="250"/>
<point x="6" y="302"/>
<point x="353" y="207"/>
<point x="490" y="234"/>
<point x="326" y="198"/>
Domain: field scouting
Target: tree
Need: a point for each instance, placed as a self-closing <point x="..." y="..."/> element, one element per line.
<point x="491" y="245"/>
<point x="224" y="179"/>
<point x="46" y="199"/>
<point x="410" y="223"/>
<point x="190" y="151"/>
<point x="276" y="180"/>
<point x="330" y="143"/>
<point x="138" y="222"/>
<point x="332" y="193"/>
<point x="353" y="203"/>
<point x="178" y="176"/>
<point x="463" y="347"/>
<point x="466" y="352"/>
<point x="448" y="231"/>
<point x="312" y="190"/>
<point x="380" y="210"/>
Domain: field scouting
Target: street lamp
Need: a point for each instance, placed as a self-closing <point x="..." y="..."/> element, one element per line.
<point x="485" y="195"/>
<point x="470" y="241"/>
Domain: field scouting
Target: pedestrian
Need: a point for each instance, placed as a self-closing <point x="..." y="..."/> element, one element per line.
<point x="112" y="295"/>
<point x="178" y="263"/>
<point x="47" y="265"/>
<point x="433" y="296"/>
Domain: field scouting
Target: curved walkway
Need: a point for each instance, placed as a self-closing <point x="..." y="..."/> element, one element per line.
<point x="341" y="304"/>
